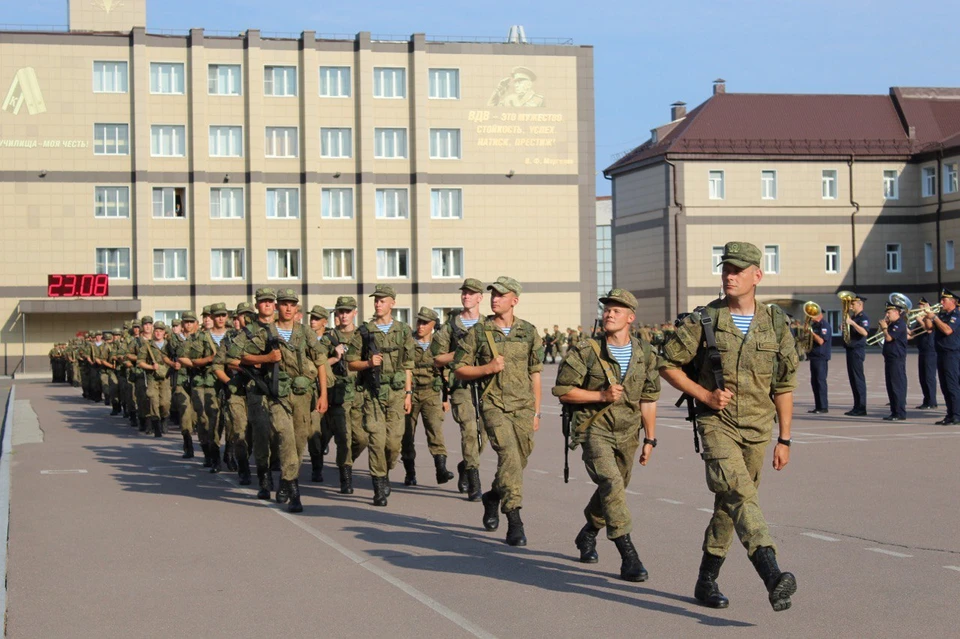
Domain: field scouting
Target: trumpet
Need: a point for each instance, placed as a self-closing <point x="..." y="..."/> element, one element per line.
<point x="915" y="319"/>
<point x="901" y="300"/>
<point x="846" y="299"/>
<point x="810" y="311"/>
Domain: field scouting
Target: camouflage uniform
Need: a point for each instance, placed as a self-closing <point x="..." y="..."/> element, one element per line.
<point x="157" y="382"/>
<point x="203" y="395"/>
<point x="235" y="406"/>
<point x="181" y="394"/>
<point x="139" y="379"/>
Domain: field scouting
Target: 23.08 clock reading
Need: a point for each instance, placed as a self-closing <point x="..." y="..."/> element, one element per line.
<point x="75" y="285"/>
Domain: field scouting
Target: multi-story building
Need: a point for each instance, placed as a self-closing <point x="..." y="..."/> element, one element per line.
<point x="195" y="167"/>
<point x="841" y="192"/>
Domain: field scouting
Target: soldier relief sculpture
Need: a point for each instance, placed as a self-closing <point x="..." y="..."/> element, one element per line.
<point x="517" y="90"/>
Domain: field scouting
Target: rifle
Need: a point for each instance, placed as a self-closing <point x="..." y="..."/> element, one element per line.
<point x="711" y="356"/>
<point x="340" y="368"/>
<point x="371" y="376"/>
<point x="566" y="417"/>
<point x="476" y="396"/>
<point x="273" y="343"/>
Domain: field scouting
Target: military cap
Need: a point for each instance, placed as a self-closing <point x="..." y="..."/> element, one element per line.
<point x="384" y="290"/>
<point x="947" y="293"/>
<point x="319" y="312"/>
<point x="146" y="319"/>
<point x="620" y="296"/>
<point x="205" y="311"/>
<point x="107" y="333"/>
<point x="896" y="307"/>
<point x="176" y="322"/>
<point x="506" y="284"/>
<point x="287" y="295"/>
<point x="923" y="300"/>
<point x="266" y="294"/>
<point x="135" y="324"/>
<point x="345" y="302"/>
<point x="159" y="326"/>
<point x="116" y="331"/>
<point x="188" y="316"/>
<point x="859" y="298"/>
<point x="427" y="315"/>
<point x="524" y="72"/>
<point x="741" y="254"/>
<point x="218" y="309"/>
<point x="472" y="284"/>
<point x="128" y="324"/>
<point x="98" y="331"/>
<point x="245" y="308"/>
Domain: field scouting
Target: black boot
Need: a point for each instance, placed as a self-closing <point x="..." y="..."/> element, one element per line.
<point x="631" y="568"/>
<point x="462" y="477"/>
<point x="116" y="408"/>
<point x="780" y="585"/>
<point x="133" y="420"/>
<point x="379" y="497"/>
<point x="440" y="463"/>
<point x="346" y="480"/>
<point x="283" y="492"/>
<point x="215" y="465"/>
<point x="491" y="510"/>
<point x="586" y="542"/>
<point x="316" y="465"/>
<point x="207" y="456"/>
<point x="265" y="477"/>
<point x="474" y="489"/>
<point x="143" y="424"/>
<point x="410" y="478"/>
<point x="706" y="591"/>
<point x="243" y="463"/>
<point x="187" y="446"/>
<point x="386" y="484"/>
<point x="229" y="459"/>
<point x="156" y="427"/>
<point x="294" y="506"/>
<point x="163" y="426"/>
<point x="515" y="536"/>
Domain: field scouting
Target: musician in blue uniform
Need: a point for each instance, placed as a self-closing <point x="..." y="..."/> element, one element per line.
<point x="819" y="357"/>
<point x="894" y="329"/>
<point x="947" y="341"/>
<point x="859" y="325"/>
<point x="927" y="362"/>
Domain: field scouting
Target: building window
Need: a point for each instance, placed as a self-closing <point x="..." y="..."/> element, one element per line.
<point x="445" y="144"/>
<point x="335" y="143"/>
<point x="167" y="78"/>
<point x="226" y="142"/>
<point x="445" y="84"/>
<point x="111" y="201"/>
<point x="948" y="255"/>
<point x="168" y="141"/>
<point x="400" y="314"/>
<point x="447" y="263"/>
<point x="281" y="142"/>
<point x="716" y="185"/>
<point x="833" y="317"/>
<point x="283" y="203"/>
<point x="893" y="258"/>
<point x="393" y="263"/>
<point x="109" y="77"/>
<point x="336" y="204"/>
<point x="226" y="264"/>
<point x="169" y="202"/>
<point x="224" y="79"/>
<point x="768" y="185"/>
<point x="115" y="262"/>
<point x="283" y="264"/>
<point x="604" y="261"/>
<point x="828" y="184"/>
<point x="169" y="264"/>
<point x="338" y="264"/>
<point x="446" y="204"/>
<point x="335" y="82"/>
<point x="391" y="204"/>
<point x="389" y="143"/>
<point x="167" y="317"/>
<point x="771" y="259"/>
<point x="226" y="203"/>
<point x="716" y="254"/>
<point x="949" y="178"/>
<point x="929" y="181"/>
<point x="280" y="81"/>
<point x="389" y="82"/>
<point x="111" y="139"/>
<point x="891" y="185"/>
<point x="928" y="257"/>
<point x="833" y="259"/>
<point x="444" y="312"/>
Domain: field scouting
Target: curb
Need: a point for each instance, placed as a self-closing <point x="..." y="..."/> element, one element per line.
<point x="6" y="448"/>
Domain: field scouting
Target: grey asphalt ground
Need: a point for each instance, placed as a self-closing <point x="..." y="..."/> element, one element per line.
<point x="143" y="544"/>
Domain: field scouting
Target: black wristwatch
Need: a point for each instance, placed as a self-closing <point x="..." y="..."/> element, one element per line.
<point x="652" y="442"/>
<point x="785" y="442"/>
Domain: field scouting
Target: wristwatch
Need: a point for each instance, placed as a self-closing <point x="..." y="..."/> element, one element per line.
<point x="538" y="415"/>
<point x="409" y="392"/>
<point x="785" y="442"/>
<point x="652" y="442"/>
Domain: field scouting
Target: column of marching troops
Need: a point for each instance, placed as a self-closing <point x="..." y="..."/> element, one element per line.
<point x="271" y="387"/>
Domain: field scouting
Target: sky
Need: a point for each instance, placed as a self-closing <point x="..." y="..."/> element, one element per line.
<point x="646" y="55"/>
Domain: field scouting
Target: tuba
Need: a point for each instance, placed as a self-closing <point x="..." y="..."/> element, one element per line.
<point x="897" y="299"/>
<point x="810" y="311"/>
<point x="846" y="300"/>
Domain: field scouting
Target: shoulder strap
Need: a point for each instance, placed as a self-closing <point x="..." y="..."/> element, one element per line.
<point x="707" y="320"/>
<point x="490" y="342"/>
<point x="604" y="364"/>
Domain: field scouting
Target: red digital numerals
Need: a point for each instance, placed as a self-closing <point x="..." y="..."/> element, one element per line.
<point x="72" y="285"/>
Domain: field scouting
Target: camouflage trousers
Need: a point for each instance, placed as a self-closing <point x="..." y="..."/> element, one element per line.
<point x="130" y="389"/>
<point x="340" y="423"/>
<point x="111" y="389"/>
<point x="733" y="476"/>
<point x="608" y="458"/>
<point x="461" y="405"/>
<point x="105" y="383"/>
<point x="237" y="420"/>
<point x="272" y="421"/>
<point x="511" y="436"/>
<point x="303" y="424"/>
<point x="383" y="425"/>
<point x="428" y="404"/>
<point x="183" y="405"/>
<point x="206" y="407"/>
<point x="158" y="397"/>
<point x="140" y="392"/>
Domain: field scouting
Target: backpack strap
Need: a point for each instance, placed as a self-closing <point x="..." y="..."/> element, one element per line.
<point x="611" y="380"/>
<point x="712" y="353"/>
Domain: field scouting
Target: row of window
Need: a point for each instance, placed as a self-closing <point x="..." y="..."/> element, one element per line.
<point x="170" y="140"/>
<point x="169" y="78"/>
<point x="281" y="203"/>
<point x="716" y="183"/>
<point x="282" y="264"/>
<point x="399" y="313"/>
<point x="893" y="258"/>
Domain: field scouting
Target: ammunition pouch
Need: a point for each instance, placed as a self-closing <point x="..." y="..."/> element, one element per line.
<point x="437" y="384"/>
<point x="284" y="385"/>
<point x="301" y="385"/>
<point x="398" y="381"/>
<point x="161" y="373"/>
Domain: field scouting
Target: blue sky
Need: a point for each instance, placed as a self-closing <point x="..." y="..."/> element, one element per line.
<point x="646" y="55"/>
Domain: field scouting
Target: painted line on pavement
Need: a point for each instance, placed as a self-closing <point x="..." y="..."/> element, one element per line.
<point x="820" y="537"/>
<point x="633" y="492"/>
<point x="670" y="501"/>
<point x="542" y="472"/>
<point x="71" y="471"/>
<point x="174" y="466"/>
<point x="882" y="551"/>
<point x="706" y="510"/>
<point x="957" y="568"/>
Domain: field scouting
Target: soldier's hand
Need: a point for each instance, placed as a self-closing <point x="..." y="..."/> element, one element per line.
<point x="850" y="321"/>
<point x="497" y="364"/>
<point x="536" y="423"/>
<point x="376" y="360"/>
<point x="781" y="456"/>
<point x="883" y="325"/>
<point x="612" y="394"/>
<point x="718" y="399"/>
<point x="645" y="453"/>
<point x="446" y="407"/>
<point x="339" y="351"/>
<point x="407" y="404"/>
<point x="322" y="405"/>
<point x="274" y="356"/>
<point x="177" y="365"/>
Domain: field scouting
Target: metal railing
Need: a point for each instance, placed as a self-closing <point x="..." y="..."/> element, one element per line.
<point x="34" y="27"/>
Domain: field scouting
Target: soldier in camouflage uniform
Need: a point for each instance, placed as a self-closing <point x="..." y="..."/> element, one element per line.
<point x="199" y="351"/>
<point x="108" y="366"/>
<point x="382" y="351"/>
<point x="74" y="362"/>
<point x="443" y="347"/>
<point x="322" y="431"/>
<point x="609" y="405"/>
<point x="138" y="374"/>
<point x="429" y="401"/>
<point x="155" y="358"/>
<point x="96" y="383"/>
<point x="235" y="394"/>
<point x="505" y="353"/>
<point x="759" y="364"/>
<point x="182" y="401"/>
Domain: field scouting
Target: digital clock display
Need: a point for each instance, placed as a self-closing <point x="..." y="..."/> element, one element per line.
<point x="73" y="285"/>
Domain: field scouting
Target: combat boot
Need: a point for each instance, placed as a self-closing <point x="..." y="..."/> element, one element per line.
<point x="283" y="492"/>
<point x="706" y="591"/>
<point x="410" y="478"/>
<point x="631" y="568"/>
<point x="316" y="465"/>
<point x="379" y="497"/>
<point x="265" y="477"/>
<point x="515" y="536"/>
<point x="215" y="466"/>
<point x="462" y="481"/>
<point x="207" y="456"/>
<point x="474" y="489"/>
<point x="346" y="480"/>
<point x="143" y="424"/>
<point x="229" y="458"/>
<point x="491" y="510"/>
<point x="443" y="475"/>
<point x="187" y="446"/>
<point x="116" y="409"/>
<point x="780" y="585"/>
<point x="294" y="506"/>
<point x="243" y="463"/>
<point x="586" y="542"/>
<point x="156" y="427"/>
<point x="133" y="420"/>
<point x="163" y="426"/>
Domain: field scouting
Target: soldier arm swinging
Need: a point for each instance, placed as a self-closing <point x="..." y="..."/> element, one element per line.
<point x="784" y="405"/>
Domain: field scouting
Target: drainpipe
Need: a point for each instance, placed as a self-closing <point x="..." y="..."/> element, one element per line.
<point x="676" y="236"/>
<point x="853" y="221"/>
<point x="939" y="210"/>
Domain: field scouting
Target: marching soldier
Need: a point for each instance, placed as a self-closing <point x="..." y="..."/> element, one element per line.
<point x="559" y="342"/>
<point x="175" y="336"/>
<point x="155" y="358"/>
<point x="926" y="362"/>
<point x="323" y="429"/>
<point x="947" y="341"/>
<point x="96" y="380"/>
<point x="505" y="354"/>
<point x="894" y="329"/>
<point x="108" y="364"/>
<point x="199" y="352"/>
<point x="344" y="417"/>
<point x="548" y="347"/>
<point x="819" y="357"/>
<point x="859" y="325"/>
<point x="139" y="375"/>
<point x="180" y="382"/>
<point x="235" y="394"/>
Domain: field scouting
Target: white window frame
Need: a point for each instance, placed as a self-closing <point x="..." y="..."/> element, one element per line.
<point x="446" y="203"/>
<point x="771" y="259"/>
<point x="270" y="84"/>
<point x="768" y="178"/>
<point x="111" y="198"/>
<point x="106" y="135"/>
<point x="118" y="257"/>
<point x="288" y="139"/>
<point x="162" y="73"/>
<point x="444" y="144"/>
<point x="949" y="256"/>
<point x="344" y="256"/>
<point x="833" y="316"/>
<point x="715" y="184"/>
<point x="401" y="314"/>
<point x="894" y="258"/>
<point x="392" y="204"/>
<point x="218" y="255"/>
<point x="928" y="181"/>
<point x="832" y="253"/>
<point x="928" y="257"/>
<point x="891" y="184"/>
<point x="226" y="141"/>
<point x="443" y="84"/>
<point x="167" y="317"/>
<point x="455" y="257"/>
<point x="117" y="70"/>
<point x="336" y="203"/>
<point x="950" y="184"/>
<point x="389" y="83"/>
<point x="336" y="142"/>
<point x="219" y="203"/>
<point x="165" y="192"/>
<point x="168" y="141"/>
<point x="289" y="195"/>
<point x="398" y="257"/>
<point x="399" y="143"/>
<point x="342" y="77"/>
<point x="829" y="189"/>
<point x="179" y="256"/>
<point x="716" y="254"/>
<point x="273" y="263"/>
<point x="232" y="85"/>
